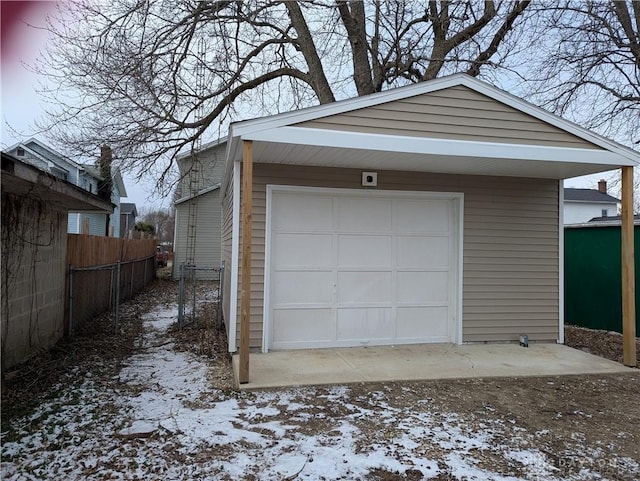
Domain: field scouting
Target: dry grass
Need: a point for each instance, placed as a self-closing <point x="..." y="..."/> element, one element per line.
<point x="601" y="343"/>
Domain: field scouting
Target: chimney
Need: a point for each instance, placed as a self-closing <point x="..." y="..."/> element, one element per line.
<point x="602" y="186"/>
<point x="105" y="186"/>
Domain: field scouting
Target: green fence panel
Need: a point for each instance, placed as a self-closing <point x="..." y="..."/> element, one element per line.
<point x="593" y="277"/>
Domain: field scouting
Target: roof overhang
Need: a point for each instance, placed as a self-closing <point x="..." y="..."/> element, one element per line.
<point x="277" y="139"/>
<point x="200" y="193"/>
<point x="330" y="148"/>
<point x="21" y="179"/>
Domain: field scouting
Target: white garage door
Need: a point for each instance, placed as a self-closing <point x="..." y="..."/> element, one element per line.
<point x="351" y="268"/>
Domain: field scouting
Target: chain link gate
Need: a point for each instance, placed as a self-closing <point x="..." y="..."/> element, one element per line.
<point x="197" y="287"/>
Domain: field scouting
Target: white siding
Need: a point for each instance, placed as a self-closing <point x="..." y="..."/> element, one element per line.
<point x="210" y="172"/>
<point x="207" y="242"/>
<point x="581" y="212"/>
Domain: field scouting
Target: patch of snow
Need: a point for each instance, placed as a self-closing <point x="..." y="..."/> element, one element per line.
<point x="98" y="432"/>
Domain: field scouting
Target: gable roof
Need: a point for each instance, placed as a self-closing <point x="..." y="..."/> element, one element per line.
<point x="588" y="195"/>
<point x="51" y="156"/>
<point x="283" y="138"/>
<point x="47" y="155"/>
<point x="200" y="193"/>
<point x="209" y="145"/>
<point x="128" y="208"/>
<point x="614" y="219"/>
<point x="23" y="179"/>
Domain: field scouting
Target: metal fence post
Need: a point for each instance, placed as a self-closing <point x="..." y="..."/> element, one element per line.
<point x="117" y="305"/>
<point x="193" y="286"/>
<point x="220" y="291"/>
<point x="181" y="296"/>
<point x="70" y="333"/>
<point x="133" y="264"/>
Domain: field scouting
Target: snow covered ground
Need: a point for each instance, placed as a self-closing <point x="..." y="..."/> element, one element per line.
<point x="161" y="419"/>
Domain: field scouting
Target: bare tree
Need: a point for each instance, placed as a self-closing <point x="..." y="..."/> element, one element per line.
<point x="150" y="77"/>
<point x="587" y="66"/>
<point x="163" y="222"/>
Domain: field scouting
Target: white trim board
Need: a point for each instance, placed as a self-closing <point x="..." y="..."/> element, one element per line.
<point x="439" y="147"/>
<point x="457" y="233"/>
<point x="561" y="262"/>
<point x="235" y="255"/>
<point x="241" y="130"/>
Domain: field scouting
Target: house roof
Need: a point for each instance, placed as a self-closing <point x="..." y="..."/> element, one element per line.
<point x="128" y="208"/>
<point x="48" y="156"/>
<point x="208" y="145"/>
<point x="197" y="194"/>
<point x="54" y="155"/>
<point x="280" y="138"/>
<point x="115" y="173"/>
<point x="614" y="219"/>
<point x="20" y="178"/>
<point x="588" y="195"/>
<point x="610" y="221"/>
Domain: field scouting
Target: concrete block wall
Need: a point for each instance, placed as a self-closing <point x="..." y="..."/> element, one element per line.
<point x="34" y="253"/>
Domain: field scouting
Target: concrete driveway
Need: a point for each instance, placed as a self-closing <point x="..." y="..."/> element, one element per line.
<point x="418" y="362"/>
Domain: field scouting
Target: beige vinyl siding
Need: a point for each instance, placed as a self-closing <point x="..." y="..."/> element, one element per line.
<point x="453" y="113"/>
<point x="226" y="234"/>
<point x="207" y="244"/>
<point x="510" y="277"/>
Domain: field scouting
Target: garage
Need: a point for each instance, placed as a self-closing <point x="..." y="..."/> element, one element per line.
<point x="357" y="267"/>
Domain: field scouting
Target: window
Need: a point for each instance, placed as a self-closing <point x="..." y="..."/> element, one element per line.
<point x="20" y="152"/>
<point x="605" y="213"/>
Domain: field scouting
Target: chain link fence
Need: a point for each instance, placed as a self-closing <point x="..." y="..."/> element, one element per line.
<point x="199" y="286"/>
<point x="100" y="289"/>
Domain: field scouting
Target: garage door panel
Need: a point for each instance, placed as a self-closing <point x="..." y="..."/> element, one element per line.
<point x="425" y="323"/>
<point x="422" y="287"/>
<point x="349" y="268"/>
<point x="359" y="287"/>
<point x="363" y="215"/>
<point x="421" y="216"/>
<point x="302" y="287"/>
<point x="302" y="250"/>
<point x="364" y="324"/>
<point x="423" y="252"/>
<point x="364" y="251"/>
<point x="302" y="212"/>
<point x="301" y="325"/>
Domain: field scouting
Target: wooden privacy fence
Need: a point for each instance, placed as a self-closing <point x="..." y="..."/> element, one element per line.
<point x="90" y="251"/>
<point x="103" y="271"/>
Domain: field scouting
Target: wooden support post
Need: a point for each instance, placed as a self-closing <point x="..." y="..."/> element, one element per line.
<point x="245" y="299"/>
<point x="628" y="275"/>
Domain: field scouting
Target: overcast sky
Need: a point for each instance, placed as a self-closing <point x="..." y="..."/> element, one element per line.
<point x="21" y="44"/>
<point x="21" y="106"/>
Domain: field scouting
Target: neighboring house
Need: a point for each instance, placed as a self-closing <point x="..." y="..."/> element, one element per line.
<point x="128" y="214"/>
<point x="34" y="208"/>
<point x="582" y="205"/>
<point x="85" y="176"/>
<point x="423" y="214"/>
<point x="613" y="220"/>
<point x="198" y="211"/>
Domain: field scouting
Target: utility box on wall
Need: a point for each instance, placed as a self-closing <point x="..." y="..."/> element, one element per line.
<point x="593" y="276"/>
<point x="369" y="179"/>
